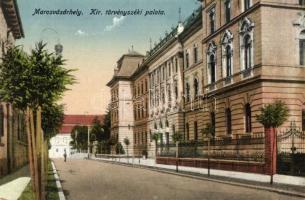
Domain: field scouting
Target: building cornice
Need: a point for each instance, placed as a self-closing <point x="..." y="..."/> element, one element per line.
<point x="12" y="16"/>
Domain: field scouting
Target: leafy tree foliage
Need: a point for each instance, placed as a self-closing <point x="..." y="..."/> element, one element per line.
<point x="177" y="137"/>
<point x="52" y="119"/>
<point x="273" y="115"/>
<point x="79" y="137"/>
<point x="107" y="125"/>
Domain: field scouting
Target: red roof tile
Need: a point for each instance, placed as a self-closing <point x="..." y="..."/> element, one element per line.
<point x="71" y="120"/>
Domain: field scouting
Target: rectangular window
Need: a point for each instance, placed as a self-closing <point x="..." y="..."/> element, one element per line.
<point x="176" y="65"/>
<point x="195" y="131"/>
<point x="246" y="4"/>
<point x="195" y="54"/>
<point x="302" y="52"/>
<point x="301" y="2"/>
<point x="187" y="61"/>
<point x="212" y="20"/>
<point x="228" y="10"/>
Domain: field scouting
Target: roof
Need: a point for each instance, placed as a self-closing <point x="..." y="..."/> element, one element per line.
<point x="72" y="120"/>
<point x="126" y="66"/>
<point x="12" y="16"/>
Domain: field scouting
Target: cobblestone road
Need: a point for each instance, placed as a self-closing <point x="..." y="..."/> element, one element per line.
<point x="83" y="179"/>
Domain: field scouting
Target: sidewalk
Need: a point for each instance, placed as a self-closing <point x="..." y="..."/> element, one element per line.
<point x="282" y="184"/>
<point x="12" y="185"/>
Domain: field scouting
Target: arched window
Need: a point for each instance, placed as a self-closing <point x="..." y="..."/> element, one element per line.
<point x="246" y="48"/>
<point x="160" y="124"/>
<point x="196" y="88"/>
<point x="176" y="91"/>
<point x="228" y="61"/>
<point x="169" y="94"/>
<point x="187" y="88"/>
<point x="211" y="57"/>
<point x="227" y="58"/>
<point x="248" y="122"/>
<point x="302" y="48"/>
<point x="247" y="52"/>
<point x="212" y="68"/>
<point x="229" y="121"/>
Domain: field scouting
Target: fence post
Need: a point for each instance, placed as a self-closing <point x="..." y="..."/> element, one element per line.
<point x="270" y="152"/>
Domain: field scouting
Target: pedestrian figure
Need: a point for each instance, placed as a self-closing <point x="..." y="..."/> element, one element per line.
<point x="65" y="155"/>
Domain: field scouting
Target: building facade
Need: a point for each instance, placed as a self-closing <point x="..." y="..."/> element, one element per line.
<point x="221" y="65"/>
<point x="250" y="63"/>
<point x="165" y="63"/>
<point x="122" y="109"/>
<point x="140" y="111"/>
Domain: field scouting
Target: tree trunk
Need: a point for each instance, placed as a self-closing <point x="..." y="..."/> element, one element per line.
<point x="30" y="148"/>
<point x="36" y="171"/>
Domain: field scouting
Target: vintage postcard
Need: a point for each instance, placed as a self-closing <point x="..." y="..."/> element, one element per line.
<point x="152" y="99"/>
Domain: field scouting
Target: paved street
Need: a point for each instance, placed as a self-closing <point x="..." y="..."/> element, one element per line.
<point x="83" y="179"/>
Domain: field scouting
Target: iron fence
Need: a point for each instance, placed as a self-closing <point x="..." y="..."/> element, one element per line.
<point x="241" y="148"/>
<point x="291" y="151"/>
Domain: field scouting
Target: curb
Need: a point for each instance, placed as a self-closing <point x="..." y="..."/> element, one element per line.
<point x="58" y="184"/>
<point x="157" y="169"/>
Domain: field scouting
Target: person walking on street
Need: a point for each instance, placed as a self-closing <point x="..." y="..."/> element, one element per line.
<point x="65" y="155"/>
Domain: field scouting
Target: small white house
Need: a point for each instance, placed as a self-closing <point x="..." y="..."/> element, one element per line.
<point x="59" y="144"/>
<point x="61" y="141"/>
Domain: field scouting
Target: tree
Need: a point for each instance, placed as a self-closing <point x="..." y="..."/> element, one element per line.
<point x="156" y="137"/>
<point x="52" y="119"/>
<point x="208" y="131"/>
<point x="107" y="124"/>
<point x="177" y="137"/>
<point x="119" y="148"/>
<point x="34" y="83"/>
<point x="127" y="143"/>
<point x="272" y="116"/>
<point x="79" y="137"/>
<point x="97" y="130"/>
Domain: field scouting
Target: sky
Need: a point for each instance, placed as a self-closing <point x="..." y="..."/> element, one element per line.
<point x="93" y="43"/>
